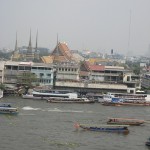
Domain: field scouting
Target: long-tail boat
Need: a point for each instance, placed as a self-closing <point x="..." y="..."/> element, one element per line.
<point x="104" y="128"/>
<point x="125" y="121"/>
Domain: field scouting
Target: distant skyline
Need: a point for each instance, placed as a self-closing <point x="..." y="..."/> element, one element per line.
<point x="95" y="25"/>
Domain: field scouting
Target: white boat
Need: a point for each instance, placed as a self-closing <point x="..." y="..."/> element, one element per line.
<point x="45" y="94"/>
<point x="70" y="100"/>
<point x="126" y="97"/>
<point x="112" y="98"/>
<point x="9" y="110"/>
<point x="54" y="93"/>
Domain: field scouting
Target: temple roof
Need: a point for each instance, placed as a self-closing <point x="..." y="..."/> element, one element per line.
<point x="61" y="53"/>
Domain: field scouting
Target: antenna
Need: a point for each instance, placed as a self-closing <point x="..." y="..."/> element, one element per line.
<point x="129" y="36"/>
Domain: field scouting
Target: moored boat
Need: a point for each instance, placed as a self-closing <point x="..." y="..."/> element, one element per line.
<point x="125" y="121"/>
<point x="70" y="100"/>
<point x="104" y="128"/>
<point x="8" y="110"/>
<point x="126" y="97"/>
<point x="52" y="93"/>
<point x="110" y="104"/>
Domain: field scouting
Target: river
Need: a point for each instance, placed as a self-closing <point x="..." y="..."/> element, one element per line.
<point x="48" y="126"/>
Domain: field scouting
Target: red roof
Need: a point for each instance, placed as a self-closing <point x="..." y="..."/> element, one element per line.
<point x="94" y="67"/>
<point x="97" y="67"/>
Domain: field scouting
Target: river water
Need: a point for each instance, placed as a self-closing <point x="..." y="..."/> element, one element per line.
<point x="46" y="126"/>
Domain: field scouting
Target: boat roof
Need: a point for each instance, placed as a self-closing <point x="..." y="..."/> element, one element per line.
<point x="5" y="103"/>
<point x="8" y="108"/>
<point x="103" y="125"/>
<point x="127" y="119"/>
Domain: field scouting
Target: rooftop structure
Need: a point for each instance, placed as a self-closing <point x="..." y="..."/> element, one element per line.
<point x="61" y="53"/>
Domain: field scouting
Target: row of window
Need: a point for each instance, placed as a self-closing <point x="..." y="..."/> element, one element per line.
<point x="45" y="81"/>
<point x="67" y="69"/>
<point x="26" y="68"/>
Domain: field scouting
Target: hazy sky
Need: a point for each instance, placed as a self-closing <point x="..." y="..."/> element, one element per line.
<point x="96" y="25"/>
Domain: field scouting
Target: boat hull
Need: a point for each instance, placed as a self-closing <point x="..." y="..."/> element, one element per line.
<point x="125" y="123"/>
<point x="78" y="102"/>
<point x="111" y="104"/>
<point x="7" y="110"/>
<point x="147" y="143"/>
<point x="118" y="129"/>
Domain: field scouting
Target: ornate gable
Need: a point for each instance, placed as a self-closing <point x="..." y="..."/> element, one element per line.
<point x="61" y="53"/>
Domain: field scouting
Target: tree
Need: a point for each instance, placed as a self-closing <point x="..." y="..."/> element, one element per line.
<point x="27" y="79"/>
<point x="2" y="86"/>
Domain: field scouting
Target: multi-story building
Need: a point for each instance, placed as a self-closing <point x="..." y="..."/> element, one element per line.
<point x="67" y="71"/>
<point x="145" y="83"/>
<point x="103" y="79"/>
<point x="44" y="73"/>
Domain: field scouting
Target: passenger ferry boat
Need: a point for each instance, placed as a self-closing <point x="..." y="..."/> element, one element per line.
<point x="54" y="93"/>
<point x="45" y="94"/>
<point x="9" y="110"/>
<point x="127" y="97"/>
<point x="70" y="100"/>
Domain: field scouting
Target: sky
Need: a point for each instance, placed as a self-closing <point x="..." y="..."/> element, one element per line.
<point x="95" y="25"/>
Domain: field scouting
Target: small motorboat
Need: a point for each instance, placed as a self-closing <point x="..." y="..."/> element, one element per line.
<point x="104" y="128"/>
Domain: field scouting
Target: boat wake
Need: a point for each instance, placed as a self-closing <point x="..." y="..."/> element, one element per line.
<point x="30" y="108"/>
<point x="26" y="114"/>
<point x="68" y="111"/>
<point x="56" y="110"/>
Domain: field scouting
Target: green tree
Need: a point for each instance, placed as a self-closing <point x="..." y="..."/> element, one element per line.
<point x="2" y="86"/>
<point x="27" y="79"/>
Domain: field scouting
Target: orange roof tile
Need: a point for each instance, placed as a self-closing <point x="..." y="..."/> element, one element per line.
<point x="97" y="67"/>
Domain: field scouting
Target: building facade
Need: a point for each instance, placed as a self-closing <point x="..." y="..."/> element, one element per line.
<point x="44" y="73"/>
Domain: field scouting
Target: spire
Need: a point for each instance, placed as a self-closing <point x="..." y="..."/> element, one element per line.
<point x="30" y="44"/>
<point x="36" y="41"/>
<point x="16" y="45"/>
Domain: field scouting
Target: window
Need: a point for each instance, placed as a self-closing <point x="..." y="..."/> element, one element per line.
<point x="49" y="75"/>
<point x="34" y="67"/>
<point x="8" y="67"/>
<point x="128" y="78"/>
<point x="41" y="74"/>
<point x="14" y="67"/>
<point x="21" y="67"/>
<point x="27" y="68"/>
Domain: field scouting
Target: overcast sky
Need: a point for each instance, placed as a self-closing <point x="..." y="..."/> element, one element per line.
<point x="96" y="25"/>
